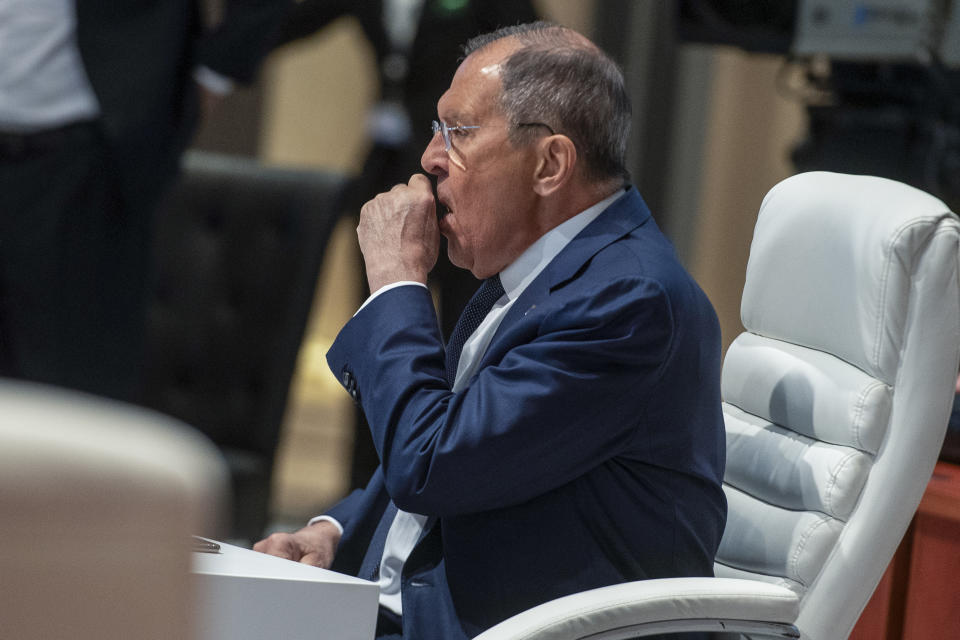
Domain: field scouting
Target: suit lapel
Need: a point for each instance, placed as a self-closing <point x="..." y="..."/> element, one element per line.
<point x="620" y="218"/>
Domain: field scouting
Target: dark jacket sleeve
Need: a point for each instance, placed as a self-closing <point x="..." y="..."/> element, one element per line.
<point x="581" y="366"/>
<point x="249" y="30"/>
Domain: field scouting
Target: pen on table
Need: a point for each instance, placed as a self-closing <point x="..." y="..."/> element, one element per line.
<point x="205" y="546"/>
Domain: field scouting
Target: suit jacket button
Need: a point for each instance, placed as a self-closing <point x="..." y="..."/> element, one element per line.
<point x="348" y="380"/>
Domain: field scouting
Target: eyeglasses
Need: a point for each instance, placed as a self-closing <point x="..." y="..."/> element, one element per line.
<point x="445" y="129"/>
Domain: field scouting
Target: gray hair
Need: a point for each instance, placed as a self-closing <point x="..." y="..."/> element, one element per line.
<point x="566" y="83"/>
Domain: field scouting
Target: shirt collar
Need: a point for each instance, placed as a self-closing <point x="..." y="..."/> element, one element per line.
<point x="522" y="271"/>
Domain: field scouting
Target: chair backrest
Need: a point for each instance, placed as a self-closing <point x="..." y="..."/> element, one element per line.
<point x="238" y="249"/>
<point x="97" y="504"/>
<point x="836" y="397"/>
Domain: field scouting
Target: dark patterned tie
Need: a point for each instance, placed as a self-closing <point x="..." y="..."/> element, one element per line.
<point x="476" y="310"/>
<point x="370" y="565"/>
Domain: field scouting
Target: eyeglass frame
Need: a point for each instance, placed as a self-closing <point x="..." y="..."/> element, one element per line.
<point x="441" y="127"/>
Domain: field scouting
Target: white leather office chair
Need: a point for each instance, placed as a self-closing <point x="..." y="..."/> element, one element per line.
<point x="836" y="403"/>
<point x="97" y="504"/>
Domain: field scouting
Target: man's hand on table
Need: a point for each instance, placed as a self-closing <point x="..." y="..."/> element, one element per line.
<point x="315" y="544"/>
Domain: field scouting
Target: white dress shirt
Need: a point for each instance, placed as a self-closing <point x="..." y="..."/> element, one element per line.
<point x="406" y="529"/>
<point x="43" y="83"/>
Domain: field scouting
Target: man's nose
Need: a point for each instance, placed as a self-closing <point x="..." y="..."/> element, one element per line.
<point x="434" y="159"/>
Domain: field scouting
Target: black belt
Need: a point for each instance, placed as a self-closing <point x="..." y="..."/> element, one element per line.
<point x="21" y="145"/>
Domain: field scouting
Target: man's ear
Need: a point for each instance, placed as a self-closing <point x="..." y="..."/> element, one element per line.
<point x="556" y="162"/>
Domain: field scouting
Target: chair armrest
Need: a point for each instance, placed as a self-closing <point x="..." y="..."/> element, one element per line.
<point x="657" y="606"/>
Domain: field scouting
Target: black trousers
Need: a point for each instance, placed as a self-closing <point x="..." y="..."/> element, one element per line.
<point x="74" y="258"/>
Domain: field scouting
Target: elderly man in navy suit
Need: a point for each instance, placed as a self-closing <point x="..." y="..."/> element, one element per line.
<point x="569" y="435"/>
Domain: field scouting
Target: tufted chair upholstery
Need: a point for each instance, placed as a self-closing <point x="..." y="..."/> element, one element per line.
<point x="238" y="250"/>
<point x="838" y="395"/>
<point x="836" y="399"/>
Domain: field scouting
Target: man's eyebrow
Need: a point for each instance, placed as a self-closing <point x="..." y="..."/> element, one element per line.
<point x="452" y="117"/>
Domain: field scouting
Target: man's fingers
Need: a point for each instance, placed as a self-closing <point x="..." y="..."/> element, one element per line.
<point x="418" y="186"/>
<point x="316" y="559"/>
<point x="398" y="233"/>
<point x="280" y="545"/>
<point x="421" y="182"/>
<point x="423" y="188"/>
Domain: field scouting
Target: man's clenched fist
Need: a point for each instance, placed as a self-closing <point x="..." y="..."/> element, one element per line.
<point x="398" y="234"/>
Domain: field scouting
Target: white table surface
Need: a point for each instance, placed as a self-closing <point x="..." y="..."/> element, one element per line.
<point x="242" y="594"/>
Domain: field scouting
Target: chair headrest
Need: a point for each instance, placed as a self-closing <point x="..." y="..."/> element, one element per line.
<point x="849" y="243"/>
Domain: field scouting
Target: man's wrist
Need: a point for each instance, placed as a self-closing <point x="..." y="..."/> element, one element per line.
<point x="381" y="291"/>
<point x="333" y="521"/>
<point x="377" y="282"/>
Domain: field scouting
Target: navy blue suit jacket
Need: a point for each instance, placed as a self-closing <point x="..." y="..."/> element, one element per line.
<point x="587" y="451"/>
